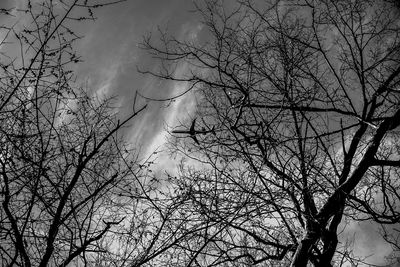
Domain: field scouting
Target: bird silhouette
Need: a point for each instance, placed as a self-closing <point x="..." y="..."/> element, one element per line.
<point x="192" y="131"/>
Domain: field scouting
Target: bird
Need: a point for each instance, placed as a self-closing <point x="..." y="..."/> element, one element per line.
<point x="192" y="131"/>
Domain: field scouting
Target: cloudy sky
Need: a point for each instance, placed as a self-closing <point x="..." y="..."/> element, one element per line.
<point x="111" y="53"/>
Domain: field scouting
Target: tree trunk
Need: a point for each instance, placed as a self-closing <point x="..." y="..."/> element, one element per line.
<point x="313" y="233"/>
<point x="301" y="256"/>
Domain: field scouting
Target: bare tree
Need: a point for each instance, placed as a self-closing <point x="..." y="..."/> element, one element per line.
<point x="73" y="191"/>
<point x="297" y="125"/>
<point x="64" y="164"/>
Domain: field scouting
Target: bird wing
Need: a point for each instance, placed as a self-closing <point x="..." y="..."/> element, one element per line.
<point x="180" y="132"/>
<point x="192" y="130"/>
<point x="195" y="139"/>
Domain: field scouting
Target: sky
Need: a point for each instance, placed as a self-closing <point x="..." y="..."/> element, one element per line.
<point x="111" y="54"/>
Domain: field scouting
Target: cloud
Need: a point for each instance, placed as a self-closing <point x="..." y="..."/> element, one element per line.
<point x="104" y="84"/>
<point x="368" y="242"/>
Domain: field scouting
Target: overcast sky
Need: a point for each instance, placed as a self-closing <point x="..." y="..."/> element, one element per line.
<point x="111" y="56"/>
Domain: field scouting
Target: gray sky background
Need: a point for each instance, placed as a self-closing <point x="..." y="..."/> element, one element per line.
<point x="111" y="56"/>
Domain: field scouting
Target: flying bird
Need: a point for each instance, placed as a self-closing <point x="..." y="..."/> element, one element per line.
<point x="192" y="131"/>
